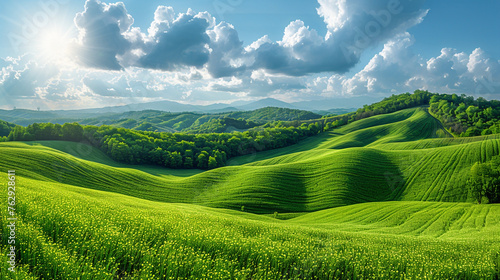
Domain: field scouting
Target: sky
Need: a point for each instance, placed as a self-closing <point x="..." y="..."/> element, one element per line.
<point x="62" y="54"/>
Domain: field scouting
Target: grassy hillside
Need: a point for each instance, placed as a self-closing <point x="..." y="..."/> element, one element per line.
<point x="402" y="126"/>
<point x="304" y="181"/>
<point x="379" y="198"/>
<point x="308" y="180"/>
<point x="89" y="153"/>
<point x="442" y="220"/>
<point x="395" y="129"/>
<point x="69" y="232"/>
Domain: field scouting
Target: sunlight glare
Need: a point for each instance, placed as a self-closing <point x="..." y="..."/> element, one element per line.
<point x="54" y="45"/>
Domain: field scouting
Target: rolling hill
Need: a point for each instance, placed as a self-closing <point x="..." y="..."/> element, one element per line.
<point x="295" y="182"/>
<point x="380" y="198"/>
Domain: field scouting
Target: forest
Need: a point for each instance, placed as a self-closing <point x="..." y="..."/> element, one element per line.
<point x="173" y="150"/>
<point x="5" y="128"/>
<point x="465" y="116"/>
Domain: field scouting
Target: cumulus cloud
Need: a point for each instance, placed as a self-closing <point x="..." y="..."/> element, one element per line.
<point x="259" y="84"/>
<point x="26" y="83"/>
<point x="353" y="26"/>
<point x="134" y="84"/>
<point x="231" y="85"/>
<point x="228" y="55"/>
<point x="20" y="78"/>
<point x="397" y="69"/>
<point x="181" y="42"/>
<point x="58" y="89"/>
<point x="173" y="42"/>
<point x="102" y="28"/>
<point x="20" y="84"/>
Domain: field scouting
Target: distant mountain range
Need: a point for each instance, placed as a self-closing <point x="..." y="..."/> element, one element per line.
<point x="175" y="107"/>
<point x="318" y="106"/>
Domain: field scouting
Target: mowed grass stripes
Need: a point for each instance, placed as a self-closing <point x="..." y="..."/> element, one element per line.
<point x="293" y="183"/>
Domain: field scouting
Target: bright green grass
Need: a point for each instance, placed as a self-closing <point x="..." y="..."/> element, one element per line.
<point x="300" y="182"/>
<point x="435" y="143"/>
<point x="86" y="152"/>
<point x="381" y="198"/>
<point x="69" y="232"/>
<point x="442" y="220"/>
<point x="405" y="125"/>
<point x="402" y="126"/>
<point x="304" y="145"/>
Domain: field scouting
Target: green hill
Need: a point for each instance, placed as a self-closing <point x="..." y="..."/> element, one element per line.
<point x="270" y="114"/>
<point x="402" y="126"/>
<point x="397" y="129"/>
<point x="298" y="182"/>
<point x="432" y="219"/>
<point x="68" y="232"/>
<point x="384" y="197"/>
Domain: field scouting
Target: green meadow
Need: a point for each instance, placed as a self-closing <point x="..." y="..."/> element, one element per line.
<point x="383" y="197"/>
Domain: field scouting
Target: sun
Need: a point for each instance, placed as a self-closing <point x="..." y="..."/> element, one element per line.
<point x="54" y="45"/>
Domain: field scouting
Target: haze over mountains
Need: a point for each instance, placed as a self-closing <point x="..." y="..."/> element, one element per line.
<point x="319" y="106"/>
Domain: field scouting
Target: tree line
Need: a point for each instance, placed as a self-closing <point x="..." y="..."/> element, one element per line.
<point x="172" y="150"/>
<point x="465" y="116"/>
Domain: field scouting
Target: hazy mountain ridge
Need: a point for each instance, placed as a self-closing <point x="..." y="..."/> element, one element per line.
<point x="321" y="106"/>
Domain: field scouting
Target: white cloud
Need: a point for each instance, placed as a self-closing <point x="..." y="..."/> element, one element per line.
<point x="20" y="83"/>
<point x="181" y="43"/>
<point x="101" y="40"/>
<point x="164" y="17"/>
<point x="297" y="34"/>
<point x="353" y="26"/>
<point x="255" y="45"/>
<point x="227" y="54"/>
<point x="334" y="13"/>
<point x="397" y="68"/>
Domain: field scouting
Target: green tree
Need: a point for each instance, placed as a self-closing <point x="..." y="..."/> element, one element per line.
<point x="121" y="152"/>
<point x="156" y="156"/>
<point x="188" y="162"/>
<point x="176" y="160"/>
<point x="72" y="132"/>
<point x="168" y="159"/>
<point x="484" y="182"/>
<point x="202" y="160"/>
<point x="212" y="162"/>
<point x="472" y="112"/>
<point x="17" y="134"/>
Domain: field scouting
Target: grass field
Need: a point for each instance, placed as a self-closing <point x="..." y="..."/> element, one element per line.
<point x="380" y="198"/>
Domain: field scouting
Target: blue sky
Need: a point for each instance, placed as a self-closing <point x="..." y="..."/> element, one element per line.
<point x="312" y="50"/>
